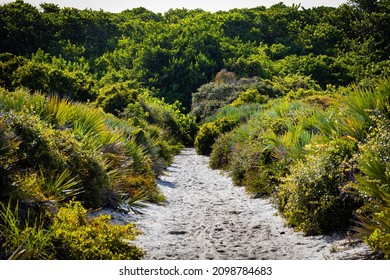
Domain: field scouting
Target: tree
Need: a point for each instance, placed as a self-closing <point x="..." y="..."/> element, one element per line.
<point x="21" y="28"/>
<point x="365" y="5"/>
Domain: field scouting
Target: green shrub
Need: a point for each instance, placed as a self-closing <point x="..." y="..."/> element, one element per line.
<point x="367" y="100"/>
<point x="374" y="186"/>
<point x="258" y="152"/>
<point x="244" y="158"/>
<point x="321" y="68"/>
<point x="136" y="185"/>
<point x="56" y="136"/>
<point x="251" y="166"/>
<point x="54" y="151"/>
<point x="9" y="63"/>
<point x="167" y="151"/>
<point x="40" y="76"/>
<point x="260" y="179"/>
<point x="91" y="172"/>
<point x="36" y="147"/>
<point x="221" y="151"/>
<point x="295" y="82"/>
<point x="225" y="146"/>
<point x="115" y="98"/>
<point x="238" y="165"/>
<point x="312" y="198"/>
<point x="116" y="103"/>
<point x="242" y="113"/>
<point x="209" y="132"/>
<point x="8" y="155"/>
<point x="179" y="127"/>
<point x="364" y="103"/>
<point x="77" y="237"/>
<point x="32" y="75"/>
<point x="210" y="98"/>
<point x="249" y="96"/>
<point x="206" y="137"/>
<point x="323" y="101"/>
<point x="226" y="124"/>
<point x="142" y="139"/>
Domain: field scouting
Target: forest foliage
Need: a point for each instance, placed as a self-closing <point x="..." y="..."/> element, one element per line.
<point x="293" y="102"/>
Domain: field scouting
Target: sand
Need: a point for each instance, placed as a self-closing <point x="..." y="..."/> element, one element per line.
<point x="207" y="217"/>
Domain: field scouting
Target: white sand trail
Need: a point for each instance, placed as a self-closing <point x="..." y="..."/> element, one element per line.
<point x="206" y="217"/>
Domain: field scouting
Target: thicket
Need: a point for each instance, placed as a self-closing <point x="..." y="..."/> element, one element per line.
<point x="54" y="151"/>
<point x="92" y="108"/>
<point x="76" y="53"/>
<point x="373" y="186"/>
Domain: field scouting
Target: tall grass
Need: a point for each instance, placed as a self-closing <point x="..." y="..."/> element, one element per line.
<point x="22" y="241"/>
<point x="13" y="101"/>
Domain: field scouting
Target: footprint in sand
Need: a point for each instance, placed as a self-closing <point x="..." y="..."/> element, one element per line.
<point x="206" y="217"/>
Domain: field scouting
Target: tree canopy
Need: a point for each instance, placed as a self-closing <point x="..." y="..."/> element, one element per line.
<point x="175" y="53"/>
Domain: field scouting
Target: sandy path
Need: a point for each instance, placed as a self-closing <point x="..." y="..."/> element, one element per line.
<point x="206" y="217"/>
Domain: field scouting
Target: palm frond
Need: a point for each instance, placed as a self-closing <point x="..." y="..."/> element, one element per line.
<point x="59" y="187"/>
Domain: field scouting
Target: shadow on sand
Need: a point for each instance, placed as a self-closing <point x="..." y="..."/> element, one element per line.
<point x="164" y="183"/>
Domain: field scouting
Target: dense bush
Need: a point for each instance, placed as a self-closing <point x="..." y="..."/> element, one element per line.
<point x="211" y="97"/>
<point x="179" y="51"/>
<point x="246" y="162"/>
<point x="115" y="98"/>
<point x="209" y="132"/>
<point x="58" y="136"/>
<point x="9" y="144"/>
<point x="225" y="146"/>
<point x="9" y="63"/>
<point x="312" y="197"/>
<point x="72" y="234"/>
<point x="206" y="137"/>
<point x="221" y="151"/>
<point x="258" y="152"/>
<point x="373" y="185"/>
<point x="75" y="236"/>
<point x="180" y="128"/>
<point x="46" y="76"/>
<point x="249" y="96"/>
<point x="322" y="68"/>
<point x="53" y="150"/>
<point x="241" y="113"/>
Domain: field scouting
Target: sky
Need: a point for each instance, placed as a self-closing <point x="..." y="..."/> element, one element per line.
<point x="161" y="6"/>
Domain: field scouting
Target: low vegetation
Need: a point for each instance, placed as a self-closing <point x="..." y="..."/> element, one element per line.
<point x="292" y="102"/>
<point x="59" y="158"/>
<point x="323" y="165"/>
